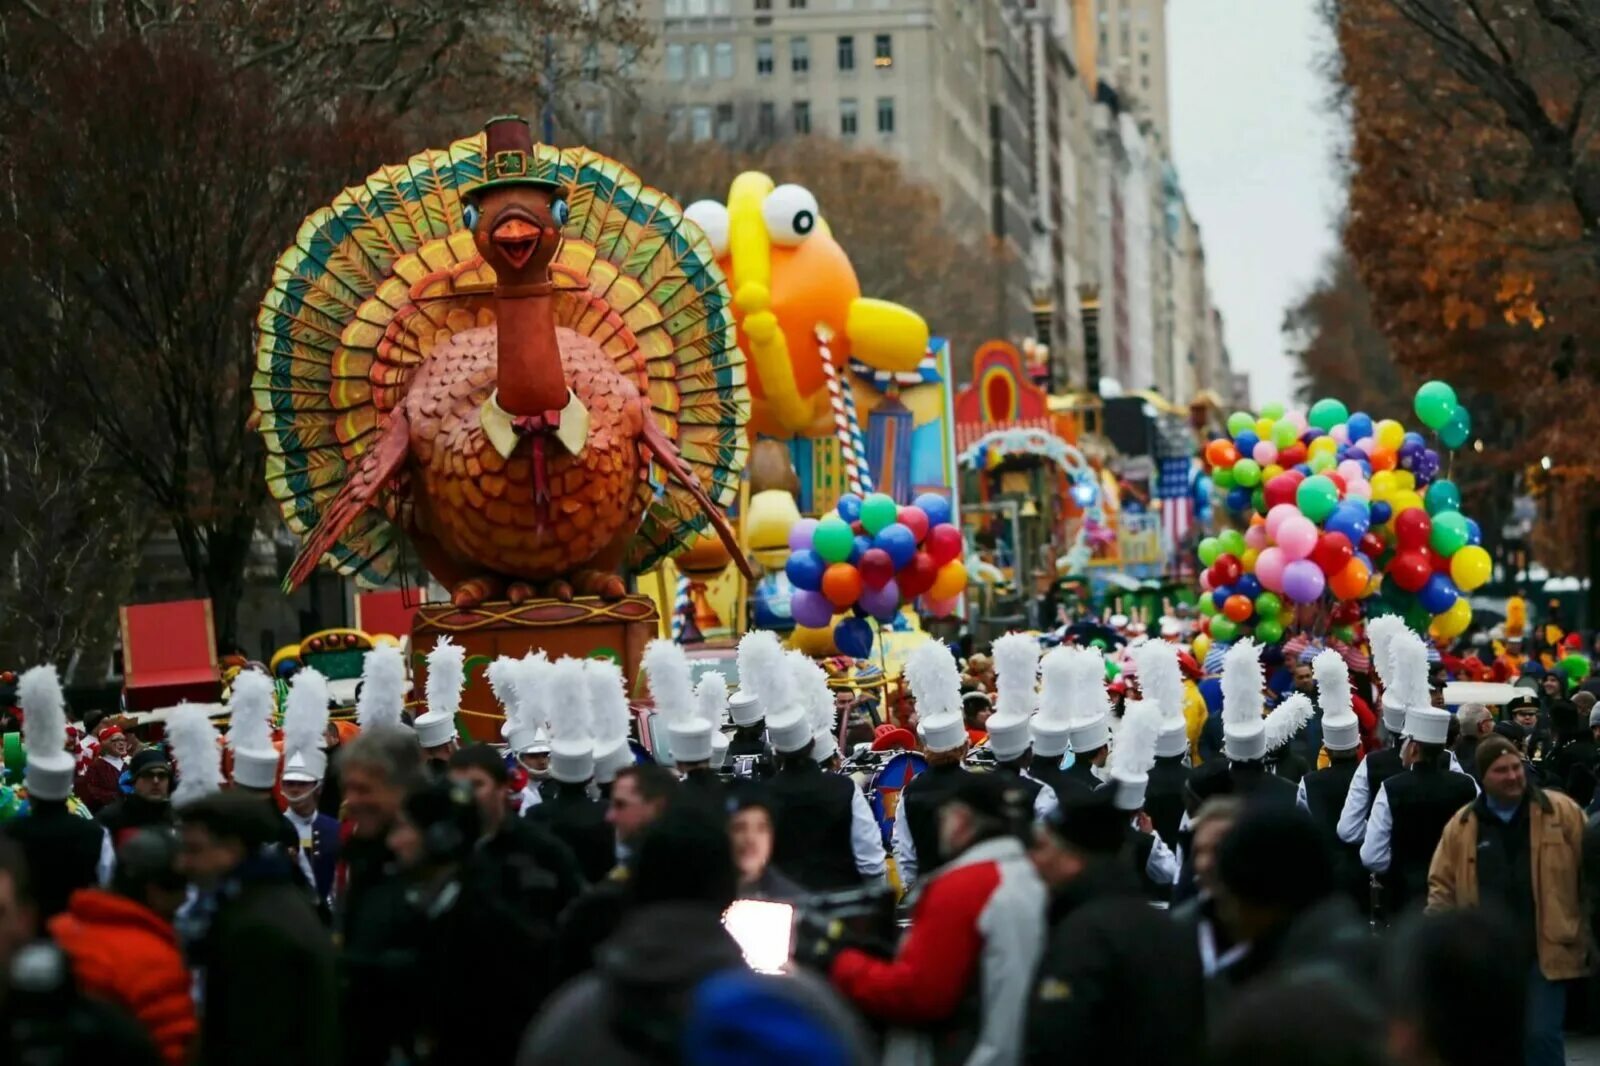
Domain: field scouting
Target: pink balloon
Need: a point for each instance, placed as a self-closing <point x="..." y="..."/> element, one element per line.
<point x="1265" y="452"/>
<point x="1269" y="568"/>
<point x="940" y="608"/>
<point x="1365" y="445"/>
<point x="1350" y="470"/>
<point x="1297" y="536"/>
<point x="1340" y="433"/>
<point x="1278" y="515"/>
<point x="1299" y="420"/>
<point x="1360" y="488"/>
<point x="1255" y="537"/>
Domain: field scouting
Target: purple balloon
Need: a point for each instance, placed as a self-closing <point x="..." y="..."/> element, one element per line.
<point x="800" y="534"/>
<point x="1302" y="581"/>
<point x="810" y="609"/>
<point x="881" y="603"/>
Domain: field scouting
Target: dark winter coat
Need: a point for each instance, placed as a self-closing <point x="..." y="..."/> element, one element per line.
<point x="580" y="823"/>
<point x="100" y="784"/>
<point x="589" y="921"/>
<point x="1118" y="981"/>
<point x="376" y="929"/>
<point x="63" y="852"/>
<point x="131" y="813"/>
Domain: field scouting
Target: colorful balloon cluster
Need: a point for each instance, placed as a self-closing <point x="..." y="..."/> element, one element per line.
<point x="868" y="557"/>
<point x="1344" y="507"/>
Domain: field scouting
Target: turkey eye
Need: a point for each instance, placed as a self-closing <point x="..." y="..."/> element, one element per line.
<point x="804" y="222"/>
<point x="559" y="211"/>
<point x="791" y="215"/>
<point x="469" y="216"/>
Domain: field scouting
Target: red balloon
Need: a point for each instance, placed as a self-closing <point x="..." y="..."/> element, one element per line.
<point x="1372" y="545"/>
<point x="916" y="520"/>
<point x="917" y="576"/>
<point x="1411" y="528"/>
<point x="857" y="528"/>
<point x="1345" y="612"/>
<point x="1293" y="455"/>
<point x="1333" y="553"/>
<point x="1239" y="608"/>
<point x="1280" y="489"/>
<point x="1410" y="569"/>
<point x="876" y="566"/>
<point x="1337" y="479"/>
<point x="1441" y="565"/>
<point x="1226" y="570"/>
<point x="841" y="584"/>
<point x="944" y="543"/>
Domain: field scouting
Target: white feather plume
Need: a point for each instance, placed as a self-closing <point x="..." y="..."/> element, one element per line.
<point x="1016" y="675"/>
<point x="503" y="674"/>
<point x="1287" y="719"/>
<point x="761" y="671"/>
<point x="1133" y="748"/>
<point x="567" y="693"/>
<point x="250" y="712"/>
<point x="711" y="698"/>
<point x="1242" y="700"/>
<point x="1408" y="657"/>
<point x="447" y="676"/>
<point x="44" y="711"/>
<point x="383" y="688"/>
<point x="667" y="667"/>
<point x="608" y="700"/>
<point x="809" y="686"/>
<point x="192" y="743"/>
<point x="935" y="682"/>
<point x="1381" y="634"/>
<point x="1160" y="678"/>
<point x="1087" y="700"/>
<point x="1055" y="688"/>
<point x="1333" y="689"/>
<point x="529" y="676"/>
<point x="305" y="713"/>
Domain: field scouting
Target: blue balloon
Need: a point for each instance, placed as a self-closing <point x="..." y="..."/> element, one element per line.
<point x="1474" y="532"/>
<point x="1439" y="594"/>
<point x="935" y="506"/>
<point x="1304" y="468"/>
<point x="1381" y="512"/>
<point x="1238" y="499"/>
<point x="1351" y="521"/>
<point x="1246" y="442"/>
<point x="1311" y="434"/>
<point x="1248" y="585"/>
<point x="898" y="541"/>
<point x="1220" y="596"/>
<point x="805" y="569"/>
<point x="850" y="508"/>
<point x="1366" y="560"/>
<point x="1358" y="426"/>
<point x="853" y="637"/>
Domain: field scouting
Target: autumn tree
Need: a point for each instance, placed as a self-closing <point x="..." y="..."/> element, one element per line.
<point x="1337" y="345"/>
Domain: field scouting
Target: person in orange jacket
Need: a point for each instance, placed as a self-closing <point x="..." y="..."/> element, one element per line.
<point x="123" y="947"/>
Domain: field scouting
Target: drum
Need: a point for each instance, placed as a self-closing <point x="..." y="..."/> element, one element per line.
<point x="896" y="772"/>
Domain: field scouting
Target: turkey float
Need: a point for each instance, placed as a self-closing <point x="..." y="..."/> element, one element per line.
<point x="518" y="359"/>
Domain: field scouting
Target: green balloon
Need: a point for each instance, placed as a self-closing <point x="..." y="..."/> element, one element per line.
<point x="1576" y="667"/>
<point x="1222" y="477"/>
<point x="1240" y="421"/>
<point x="1273" y="411"/>
<point x="1449" y="533"/>
<point x="1268" y="605"/>
<point x="1207" y="605"/>
<point x="1442" y="496"/>
<point x="1258" y="500"/>
<point x="1231" y="541"/>
<point x="1322" y="463"/>
<point x="1269" y="631"/>
<point x="1316" y="497"/>
<point x="1247" y="472"/>
<point x="1284" y="434"/>
<point x="1223" y="628"/>
<point x="1435" y="403"/>
<point x="1327" y="413"/>
<point x="1098" y="643"/>
<point x="1112" y="670"/>
<point x="1209" y="549"/>
<point x="1345" y="633"/>
<point x="1454" y="433"/>
<point x="877" y="511"/>
<point x="833" y="539"/>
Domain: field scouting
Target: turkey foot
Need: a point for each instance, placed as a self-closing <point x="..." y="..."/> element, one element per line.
<point x="602" y="583"/>
<point x="519" y="592"/>
<point x="475" y="590"/>
<point x="559" y="589"/>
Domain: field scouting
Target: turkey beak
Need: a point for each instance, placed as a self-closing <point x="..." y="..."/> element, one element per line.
<point x="517" y="237"/>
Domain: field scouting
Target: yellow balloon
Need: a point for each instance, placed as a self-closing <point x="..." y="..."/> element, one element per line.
<point x="1199" y="646"/>
<point x="1405" y="480"/>
<point x="1264" y="427"/>
<point x="1269" y="472"/>
<point x="1454" y="622"/>
<point x="1383" y="485"/>
<point x="1404" y="501"/>
<point x="1390" y="434"/>
<point x="1323" y="446"/>
<point x="1470" y="567"/>
<point x="1247" y="560"/>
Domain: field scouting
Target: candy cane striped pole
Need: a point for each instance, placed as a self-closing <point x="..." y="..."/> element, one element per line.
<point x="680" y="604"/>
<point x="854" y="422"/>
<point x="849" y="451"/>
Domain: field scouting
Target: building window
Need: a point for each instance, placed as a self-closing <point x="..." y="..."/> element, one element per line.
<point x="727" y="130"/>
<point x="594" y="124"/>
<point x="675" y="9"/>
<point x="724" y="59"/>
<point x="883" y="50"/>
<point x="675" y="67"/>
<point x="700" y="61"/>
<point x="767" y="119"/>
<point x="763" y="12"/>
<point x="797" y="5"/>
<point x="764" y="57"/>
<point x="697" y="9"/>
<point x="763" y="5"/>
<point x="675" y="120"/>
<point x="847" y="53"/>
<point x="848" y="120"/>
<point x="591" y="63"/>
<point x="802" y="116"/>
<point x="1144" y="81"/>
<point x="1144" y="59"/>
<point x="722" y="8"/>
<point x="700" y="123"/>
<point x="885" y="114"/>
<point x="799" y="54"/>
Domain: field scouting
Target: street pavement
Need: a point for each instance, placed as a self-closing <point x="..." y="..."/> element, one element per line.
<point x="1583" y="1051"/>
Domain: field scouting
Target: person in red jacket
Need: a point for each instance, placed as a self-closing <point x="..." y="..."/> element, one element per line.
<point x="100" y="782"/>
<point x="122" y="945"/>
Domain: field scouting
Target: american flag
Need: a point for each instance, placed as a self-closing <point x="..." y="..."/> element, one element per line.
<point x="1173" y="480"/>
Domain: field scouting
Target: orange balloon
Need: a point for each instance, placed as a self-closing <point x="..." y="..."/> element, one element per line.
<point x="841" y="583"/>
<point x="1382" y="459"/>
<point x="1221" y="453"/>
<point x="1351" y="582"/>
<point x="1238" y="608"/>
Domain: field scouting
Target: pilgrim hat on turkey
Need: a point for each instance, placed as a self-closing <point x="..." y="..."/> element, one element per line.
<point x="508" y="158"/>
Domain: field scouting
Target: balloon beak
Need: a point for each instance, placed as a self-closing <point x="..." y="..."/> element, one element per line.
<point x="886" y="336"/>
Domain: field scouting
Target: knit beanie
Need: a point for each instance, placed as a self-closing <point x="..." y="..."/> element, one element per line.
<point x="1491" y="748"/>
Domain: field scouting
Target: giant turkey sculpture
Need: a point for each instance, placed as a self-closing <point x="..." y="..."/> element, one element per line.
<point x="519" y="357"/>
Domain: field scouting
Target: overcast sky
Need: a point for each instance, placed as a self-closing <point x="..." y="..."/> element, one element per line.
<point x="1255" y="153"/>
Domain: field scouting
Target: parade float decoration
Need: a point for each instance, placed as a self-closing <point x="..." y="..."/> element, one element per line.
<point x="518" y="363"/>
<point x="169" y="654"/>
<point x="1343" y="517"/>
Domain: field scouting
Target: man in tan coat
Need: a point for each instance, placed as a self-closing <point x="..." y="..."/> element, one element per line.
<point x="1519" y="848"/>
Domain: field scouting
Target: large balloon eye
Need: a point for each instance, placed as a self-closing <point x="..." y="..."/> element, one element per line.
<point x="712" y="217"/>
<point x="469" y="216"/>
<point x="559" y="211"/>
<point x="791" y="214"/>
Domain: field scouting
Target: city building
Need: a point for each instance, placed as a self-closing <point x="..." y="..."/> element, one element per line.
<point x="1131" y="46"/>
